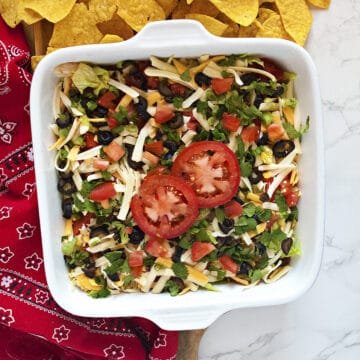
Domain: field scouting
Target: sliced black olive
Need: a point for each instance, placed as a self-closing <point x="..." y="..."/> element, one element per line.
<point x="282" y="148"/>
<point x="100" y="111"/>
<point x="264" y="140"/>
<point x="211" y="216"/>
<point x="64" y="120"/>
<point x="66" y="186"/>
<point x="129" y="67"/>
<point x="285" y="261"/>
<point x="248" y="78"/>
<point x="67" y="207"/>
<point x="137" y="79"/>
<point x="286" y="245"/>
<point x="164" y="90"/>
<point x="89" y="271"/>
<point x="136" y="236"/>
<point x="99" y="124"/>
<point x="237" y="199"/>
<point x="264" y="197"/>
<point x="177" y="254"/>
<point x="176" y="122"/>
<point x="261" y="249"/>
<point x="158" y="135"/>
<point x="258" y="100"/>
<point x="135" y="165"/>
<point x="255" y="176"/>
<point x="114" y="277"/>
<point x="169" y="99"/>
<point x="99" y="231"/>
<point x="202" y="79"/>
<point x="171" y="145"/>
<point x="66" y="175"/>
<point x="105" y="137"/>
<point x="245" y="267"/>
<point x="226" y="225"/>
<point x="141" y="105"/>
<point x="278" y="91"/>
<point x="250" y="158"/>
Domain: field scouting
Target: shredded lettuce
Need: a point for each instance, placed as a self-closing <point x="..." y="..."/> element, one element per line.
<point x="93" y="77"/>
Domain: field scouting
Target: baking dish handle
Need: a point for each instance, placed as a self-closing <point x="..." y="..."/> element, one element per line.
<point x="169" y="31"/>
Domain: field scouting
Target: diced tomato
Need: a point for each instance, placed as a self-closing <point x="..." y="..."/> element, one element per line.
<point x="105" y="203"/>
<point x="274" y="218"/>
<point x="85" y="220"/>
<point x="192" y="124"/>
<point x="102" y="191"/>
<point x="158" y="247"/>
<point x="275" y="131"/>
<point x="112" y="122"/>
<point x="233" y="209"/>
<point x="291" y="196"/>
<point x="100" y="164"/>
<point x="200" y="249"/>
<point x="136" y="271"/>
<point x="157" y="147"/>
<point x="151" y="158"/>
<point x="165" y="207"/>
<point x="230" y="122"/>
<point x="211" y="169"/>
<point x="107" y="100"/>
<point x="250" y="133"/>
<point x="90" y="140"/>
<point x="136" y="258"/>
<point x="114" y="151"/>
<point x="270" y="67"/>
<point x="178" y="89"/>
<point x="221" y="86"/>
<point x="229" y="264"/>
<point x="152" y="82"/>
<point x="164" y="112"/>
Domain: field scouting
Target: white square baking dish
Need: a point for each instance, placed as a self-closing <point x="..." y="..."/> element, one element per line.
<point x="181" y="38"/>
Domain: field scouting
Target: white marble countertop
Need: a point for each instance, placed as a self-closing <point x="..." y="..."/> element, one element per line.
<point x="325" y="322"/>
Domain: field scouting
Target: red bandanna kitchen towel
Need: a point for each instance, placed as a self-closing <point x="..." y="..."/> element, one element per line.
<point x="25" y="302"/>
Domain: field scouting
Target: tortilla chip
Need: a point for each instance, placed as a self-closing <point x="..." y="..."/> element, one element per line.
<point x="204" y="7"/>
<point x="181" y="10"/>
<point x="324" y="4"/>
<point x="35" y="61"/>
<point x="103" y="10"/>
<point x="75" y="29"/>
<point x="233" y="28"/>
<point x="212" y="25"/>
<point x="110" y="38"/>
<point x="243" y="12"/>
<point x="116" y="26"/>
<point x="167" y="5"/>
<point x="264" y="14"/>
<point x="137" y="13"/>
<point x="248" y="31"/>
<point x="189" y="2"/>
<point x="296" y="17"/>
<point x="273" y="28"/>
<point x="52" y="11"/>
<point x="14" y="12"/>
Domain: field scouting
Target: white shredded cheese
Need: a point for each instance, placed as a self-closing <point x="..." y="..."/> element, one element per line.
<point x="200" y="118"/>
<point x="88" y="154"/>
<point x="94" y="176"/>
<point x="192" y="98"/>
<point x="77" y="180"/>
<point x="187" y="137"/>
<point x="124" y="88"/>
<point x="246" y="238"/>
<point x="278" y="166"/>
<point x="237" y="77"/>
<point x="150" y="71"/>
<point x="254" y="70"/>
<point x="162" y="65"/>
<point x="138" y="148"/>
<point x="270" y="206"/>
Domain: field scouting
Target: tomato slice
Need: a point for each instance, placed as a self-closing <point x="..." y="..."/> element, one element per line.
<point x="233" y="209"/>
<point x="250" y="133"/>
<point x="221" y="86"/>
<point x="211" y="169"/>
<point x="101" y="164"/>
<point x="164" y="112"/>
<point x="178" y="89"/>
<point x="230" y="122"/>
<point x="158" y="247"/>
<point x="103" y="191"/>
<point x="200" y="249"/>
<point x="165" y="207"/>
<point x="229" y="264"/>
<point x="291" y="196"/>
<point x="136" y="258"/>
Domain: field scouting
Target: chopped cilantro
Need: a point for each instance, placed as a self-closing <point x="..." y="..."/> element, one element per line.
<point x="172" y="287"/>
<point x="97" y="294"/>
<point x="185" y="75"/>
<point x="281" y="203"/>
<point x="245" y="169"/>
<point x="180" y="270"/>
<point x="255" y="275"/>
<point x="177" y="101"/>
